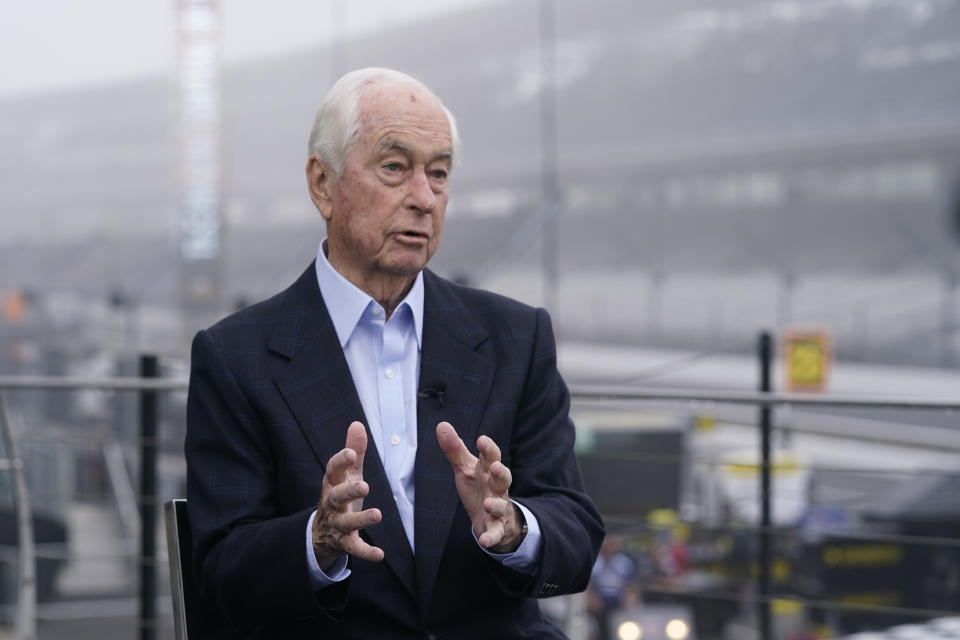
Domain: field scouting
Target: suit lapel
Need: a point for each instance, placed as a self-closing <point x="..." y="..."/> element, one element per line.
<point x="448" y="358"/>
<point x="318" y="387"/>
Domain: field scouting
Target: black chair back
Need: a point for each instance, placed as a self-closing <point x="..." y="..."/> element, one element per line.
<point x="192" y="618"/>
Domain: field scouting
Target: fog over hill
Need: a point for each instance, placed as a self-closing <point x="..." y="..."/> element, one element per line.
<point x="799" y="144"/>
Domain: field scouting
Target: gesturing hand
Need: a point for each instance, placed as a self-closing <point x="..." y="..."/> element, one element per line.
<point x="339" y="516"/>
<point x="482" y="484"/>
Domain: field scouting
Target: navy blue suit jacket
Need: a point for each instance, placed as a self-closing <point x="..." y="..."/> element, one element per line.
<point x="270" y="400"/>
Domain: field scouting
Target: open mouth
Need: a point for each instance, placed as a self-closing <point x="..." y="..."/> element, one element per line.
<point x="413" y="236"/>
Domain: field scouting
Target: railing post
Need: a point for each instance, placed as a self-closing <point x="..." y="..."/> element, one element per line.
<point x="148" y="502"/>
<point x="765" y="352"/>
<point x="26" y="617"/>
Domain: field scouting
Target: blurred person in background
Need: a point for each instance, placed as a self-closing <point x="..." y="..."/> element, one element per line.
<point x="329" y="491"/>
<point x="610" y="585"/>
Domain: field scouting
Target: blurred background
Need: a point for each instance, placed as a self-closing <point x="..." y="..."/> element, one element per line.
<point x="668" y="178"/>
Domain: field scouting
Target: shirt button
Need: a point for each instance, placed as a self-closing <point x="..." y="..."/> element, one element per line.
<point x="375" y="311"/>
<point x="394" y="439"/>
<point x="389" y="374"/>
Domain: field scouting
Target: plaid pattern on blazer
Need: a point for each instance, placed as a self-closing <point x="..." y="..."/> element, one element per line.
<point x="270" y="400"/>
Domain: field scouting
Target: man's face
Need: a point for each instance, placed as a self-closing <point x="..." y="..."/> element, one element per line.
<point x="386" y="212"/>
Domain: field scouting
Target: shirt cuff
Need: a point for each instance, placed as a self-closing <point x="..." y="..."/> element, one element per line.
<point x="527" y="555"/>
<point x="338" y="571"/>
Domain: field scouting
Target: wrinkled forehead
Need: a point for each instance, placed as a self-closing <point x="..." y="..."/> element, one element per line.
<point x="382" y="104"/>
<point x="376" y="90"/>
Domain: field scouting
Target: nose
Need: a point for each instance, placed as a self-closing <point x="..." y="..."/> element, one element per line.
<point x="420" y="196"/>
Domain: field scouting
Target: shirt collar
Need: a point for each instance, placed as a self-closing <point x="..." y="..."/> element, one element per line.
<point x="346" y="302"/>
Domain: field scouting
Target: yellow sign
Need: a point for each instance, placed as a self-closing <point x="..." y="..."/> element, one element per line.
<point x="863" y="555"/>
<point x="807" y="358"/>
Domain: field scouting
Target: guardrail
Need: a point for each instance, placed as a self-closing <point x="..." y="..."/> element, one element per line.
<point x="757" y="398"/>
<point x="148" y="386"/>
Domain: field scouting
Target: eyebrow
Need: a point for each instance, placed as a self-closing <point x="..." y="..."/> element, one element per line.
<point x="392" y="144"/>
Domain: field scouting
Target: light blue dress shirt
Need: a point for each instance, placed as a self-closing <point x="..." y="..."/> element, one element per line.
<point x="384" y="360"/>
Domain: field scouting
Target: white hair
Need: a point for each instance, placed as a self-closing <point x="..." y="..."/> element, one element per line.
<point x="338" y="118"/>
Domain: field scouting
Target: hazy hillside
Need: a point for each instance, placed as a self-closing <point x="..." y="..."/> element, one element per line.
<point x="791" y="139"/>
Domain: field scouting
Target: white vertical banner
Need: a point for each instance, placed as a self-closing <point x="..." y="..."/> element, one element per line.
<point x="199" y="180"/>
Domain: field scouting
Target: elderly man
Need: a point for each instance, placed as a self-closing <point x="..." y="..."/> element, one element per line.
<point x="329" y="490"/>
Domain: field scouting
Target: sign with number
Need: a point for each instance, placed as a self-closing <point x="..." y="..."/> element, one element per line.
<point x="807" y="358"/>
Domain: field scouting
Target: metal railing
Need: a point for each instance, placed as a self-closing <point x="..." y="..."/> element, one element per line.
<point x="766" y="400"/>
<point x="148" y="386"/>
<point x="26" y="626"/>
<point x="758" y="398"/>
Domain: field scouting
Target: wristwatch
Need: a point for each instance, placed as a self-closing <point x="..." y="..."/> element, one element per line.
<point x="523" y="522"/>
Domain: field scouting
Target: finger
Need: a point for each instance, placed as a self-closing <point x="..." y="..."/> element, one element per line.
<point x="489" y="451"/>
<point x="453" y="447"/>
<point x="338" y="465"/>
<point x="500" y="477"/>
<point x="340" y="496"/>
<point x="356" y="547"/>
<point x="357" y="441"/>
<point x="349" y="522"/>
<point x="493" y="534"/>
<point x="498" y="507"/>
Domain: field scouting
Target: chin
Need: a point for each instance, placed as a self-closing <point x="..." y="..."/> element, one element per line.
<point x="408" y="265"/>
<point x="405" y="267"/>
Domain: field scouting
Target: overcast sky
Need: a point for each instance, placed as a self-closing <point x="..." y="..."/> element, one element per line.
<point x="56" y="44"/>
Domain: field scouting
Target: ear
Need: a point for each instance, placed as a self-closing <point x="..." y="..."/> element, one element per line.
<point x="320" y="178"/>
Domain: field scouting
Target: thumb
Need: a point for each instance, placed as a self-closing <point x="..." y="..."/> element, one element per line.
<point x="452" y="446"/>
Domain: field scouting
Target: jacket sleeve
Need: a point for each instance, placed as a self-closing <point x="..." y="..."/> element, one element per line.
<point x="249" y="560"/>
<point x="546" y="479"/>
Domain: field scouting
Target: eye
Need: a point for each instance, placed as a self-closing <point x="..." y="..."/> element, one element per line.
<point x="439" y="174"/>
<point x="393" y="167"/>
